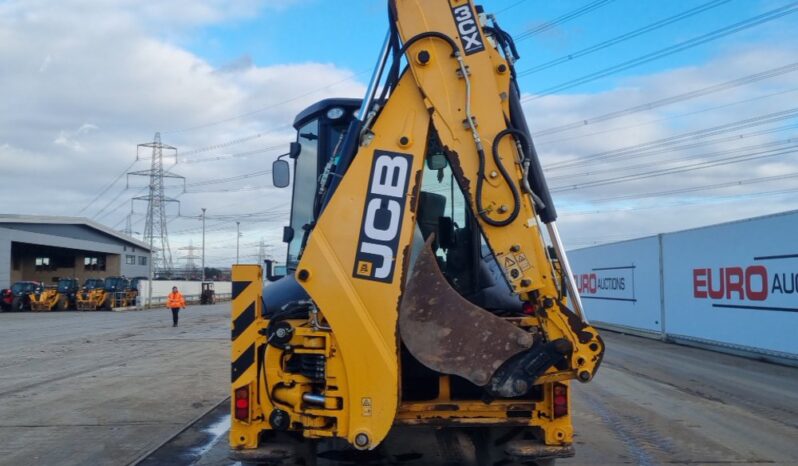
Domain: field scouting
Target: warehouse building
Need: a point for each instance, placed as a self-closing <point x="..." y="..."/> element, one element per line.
<point x="43" y="248"/>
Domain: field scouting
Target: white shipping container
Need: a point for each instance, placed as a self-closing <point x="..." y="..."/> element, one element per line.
<point x="619" y="283"/>
<point x="735" y="284"/>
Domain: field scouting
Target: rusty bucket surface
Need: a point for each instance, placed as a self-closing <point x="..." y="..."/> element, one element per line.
<point x="449" y="334"/>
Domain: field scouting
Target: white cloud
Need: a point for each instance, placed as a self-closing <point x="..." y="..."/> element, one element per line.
<point x="110" y="78"/>
<point x="586" y="220"/>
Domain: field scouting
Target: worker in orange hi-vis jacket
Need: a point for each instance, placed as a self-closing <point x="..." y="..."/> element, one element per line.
<point x="175" y="302"/>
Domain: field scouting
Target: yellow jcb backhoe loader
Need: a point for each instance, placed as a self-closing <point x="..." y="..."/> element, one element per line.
<point x="422" y="318"/>
<point x="60" y="297"/>
<point x="113" y="292"/>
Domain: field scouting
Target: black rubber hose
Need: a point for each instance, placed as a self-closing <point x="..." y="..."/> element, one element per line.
<point x="507" y="178"/>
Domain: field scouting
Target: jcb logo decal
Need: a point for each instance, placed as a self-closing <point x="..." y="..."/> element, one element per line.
<point x="468" y="29"/>
<point x="382" y="216"/>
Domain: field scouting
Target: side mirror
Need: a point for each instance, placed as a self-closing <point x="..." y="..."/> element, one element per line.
<point x="281" y="173"/>
<point x="436" y="161"/>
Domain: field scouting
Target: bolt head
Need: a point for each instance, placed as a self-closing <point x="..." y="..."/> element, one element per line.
<point x="361" y="440"/>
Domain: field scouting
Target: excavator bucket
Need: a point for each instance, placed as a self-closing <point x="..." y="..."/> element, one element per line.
<point x="449" y="334"/>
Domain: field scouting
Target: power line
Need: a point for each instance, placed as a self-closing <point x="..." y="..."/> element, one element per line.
<point x="672" y="149"/>
<point x="561" y="19"/>
<point x="710" y="201"/>
<point x="616" y="170"/>
<point x="230" y="190"/>
<point x="222" y="157"/>
<point x="692" y="189"/>
<point x="231" y="178"/>
<point x="749" y="79"/>
<point x="233" y="142"/>
<point x="663" y="142"/>
<point x="624" y="37"/>
<point x="107" y="187"/>
<point x="679" y="169"/>
<point x="668" y="118"/>
<point x="510" y="6"/>
<point x="670" y="50"/>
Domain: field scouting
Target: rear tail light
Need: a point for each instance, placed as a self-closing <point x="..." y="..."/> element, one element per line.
<point x="560" y="400"/>
<point x="242" y="404"/>
<point x="529" y="308"/>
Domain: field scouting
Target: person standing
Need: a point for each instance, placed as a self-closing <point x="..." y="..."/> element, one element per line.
<point x="175" y="302"/>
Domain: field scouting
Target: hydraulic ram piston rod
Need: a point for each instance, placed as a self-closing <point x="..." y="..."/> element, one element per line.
<point x="573" y="291"/>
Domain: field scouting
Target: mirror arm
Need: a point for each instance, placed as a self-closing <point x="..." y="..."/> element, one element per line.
<point x="270" y="271"/>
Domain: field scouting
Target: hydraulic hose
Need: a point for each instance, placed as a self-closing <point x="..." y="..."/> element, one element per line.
<point x="481" y="179"/>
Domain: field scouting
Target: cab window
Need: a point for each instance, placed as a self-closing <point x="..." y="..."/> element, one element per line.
<point x="305" y="180"/>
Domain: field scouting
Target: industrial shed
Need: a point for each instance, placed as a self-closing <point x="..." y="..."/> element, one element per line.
<point x="45" y="248"/>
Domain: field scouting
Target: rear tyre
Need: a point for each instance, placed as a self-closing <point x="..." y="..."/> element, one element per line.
<point x="17" y="304"/>
<point x="61" y="305"/>
<point x="108" y="303"/>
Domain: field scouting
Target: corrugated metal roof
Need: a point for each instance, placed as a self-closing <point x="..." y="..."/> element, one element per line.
<point x="59" y="220"/>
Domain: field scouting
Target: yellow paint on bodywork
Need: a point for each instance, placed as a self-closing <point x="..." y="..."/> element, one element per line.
<point x="363" y="313"/>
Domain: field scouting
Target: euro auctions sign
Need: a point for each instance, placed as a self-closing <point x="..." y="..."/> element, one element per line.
<point x="768" y="283"/>
<point x="608" y="283"/>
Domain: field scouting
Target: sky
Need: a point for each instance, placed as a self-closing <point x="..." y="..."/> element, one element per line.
<point x="635" y="128"/>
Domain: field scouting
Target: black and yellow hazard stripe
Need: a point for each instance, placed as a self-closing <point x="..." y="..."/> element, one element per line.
<point x="246" y="320"/>
<point x="246" y="311"/>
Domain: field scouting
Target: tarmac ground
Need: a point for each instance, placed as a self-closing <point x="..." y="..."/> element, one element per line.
<point x="125" y="388"/>
<point x="656" y="403"/>
<point x="106" y="388"/>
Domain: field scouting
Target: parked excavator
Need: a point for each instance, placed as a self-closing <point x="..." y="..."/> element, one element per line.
<point x="428" y="314"/>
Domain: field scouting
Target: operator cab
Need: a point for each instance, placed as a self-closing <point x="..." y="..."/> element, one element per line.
<point x="463" y="255"/>
<point x="68" y="285"/>
<point x="116" y="284"/>
<point x="320" y="129"/>
<point x="93" y="283"/>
